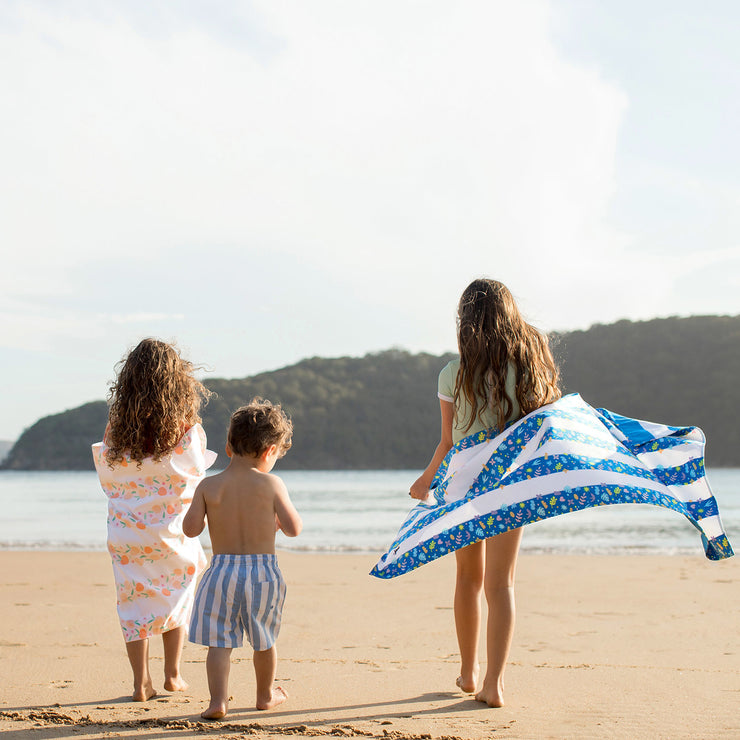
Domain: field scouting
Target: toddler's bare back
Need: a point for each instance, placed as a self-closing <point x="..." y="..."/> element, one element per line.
<point x="241" y="509"/>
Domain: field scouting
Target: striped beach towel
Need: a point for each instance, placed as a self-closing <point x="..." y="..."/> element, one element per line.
<point x="564" y="457"/>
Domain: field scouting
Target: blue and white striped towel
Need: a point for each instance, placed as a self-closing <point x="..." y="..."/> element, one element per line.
<point x="564" y="457"/>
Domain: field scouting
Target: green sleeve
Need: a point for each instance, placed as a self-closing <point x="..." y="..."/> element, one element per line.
<point x="446" y="381"/>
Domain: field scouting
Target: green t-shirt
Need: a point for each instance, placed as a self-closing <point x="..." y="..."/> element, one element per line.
<point x="446" y="391"/>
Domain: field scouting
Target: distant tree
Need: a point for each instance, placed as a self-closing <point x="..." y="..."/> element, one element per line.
<point x="381" y="411"/>
<point x="61" y="441"/>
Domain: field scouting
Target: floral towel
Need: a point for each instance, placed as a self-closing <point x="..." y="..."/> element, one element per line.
<point x="564" y="457"/>
<point x="154" y="564"/>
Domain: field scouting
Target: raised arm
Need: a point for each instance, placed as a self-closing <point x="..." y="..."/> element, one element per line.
<point x="195" y="518"/>
<point x="420" y="487"/>
<point x="288" y="518"/>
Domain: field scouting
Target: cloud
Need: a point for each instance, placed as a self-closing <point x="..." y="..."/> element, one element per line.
<point x="137" y="318"/>
<point x="395" y="146"/>
<point x="275" y="179"/>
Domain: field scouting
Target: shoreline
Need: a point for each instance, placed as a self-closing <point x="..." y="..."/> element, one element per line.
<point x="532" y="551"/>
<point x="610" y="646"/>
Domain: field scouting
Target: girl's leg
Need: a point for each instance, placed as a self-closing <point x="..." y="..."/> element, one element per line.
<point x="265" y="666"/>
<point x="218" y="666"/>
<point x="501" y="555"/>
<point x="468" y="586"/>
<point x="173" y="641"/>
<point x="138" y="656"/>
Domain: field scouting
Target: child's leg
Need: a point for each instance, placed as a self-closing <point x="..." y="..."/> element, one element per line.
<point x="468" y="587"/>
<point x="173" y="641"/>
<point x="501" y="555"/>
<point x="138" y="656"/>
<point x="265" y="665"/>
<point x="218" y="665"/>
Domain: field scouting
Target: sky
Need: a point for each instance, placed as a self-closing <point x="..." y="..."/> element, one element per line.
<point x="264" y="181"/>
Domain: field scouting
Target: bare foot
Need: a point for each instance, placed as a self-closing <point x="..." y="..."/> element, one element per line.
<point x="175" y="684"/>
<point x="467" y="685"/>
<point x="277" y="697"/>
<point x="215" y="711"/>
<point x="494" y="698"/>
<point x="144" y="693"/>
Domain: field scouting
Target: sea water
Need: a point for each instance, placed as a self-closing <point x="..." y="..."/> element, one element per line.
<point x="353" y="511"/>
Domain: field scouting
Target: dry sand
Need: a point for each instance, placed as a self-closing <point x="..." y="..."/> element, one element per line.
<point x="613" y="647"/>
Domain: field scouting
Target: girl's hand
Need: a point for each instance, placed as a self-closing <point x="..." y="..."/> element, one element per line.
<point x="419" y="489"/>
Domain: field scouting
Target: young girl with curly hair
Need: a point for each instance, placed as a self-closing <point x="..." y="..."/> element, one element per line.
<point x="505" y="370"/>
<point x="152" y="457"/>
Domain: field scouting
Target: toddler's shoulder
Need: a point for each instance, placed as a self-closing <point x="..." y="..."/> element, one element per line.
<point x="274" y="484"/>
<point x="211" y="485"/>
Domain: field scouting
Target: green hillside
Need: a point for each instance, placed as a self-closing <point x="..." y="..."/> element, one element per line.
<point x="380" y="411"/>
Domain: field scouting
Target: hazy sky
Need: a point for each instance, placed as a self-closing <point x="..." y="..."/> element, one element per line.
<point x="271" y="180"/>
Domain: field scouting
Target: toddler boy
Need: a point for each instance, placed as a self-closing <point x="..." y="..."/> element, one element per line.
<point x="243" y="589"/>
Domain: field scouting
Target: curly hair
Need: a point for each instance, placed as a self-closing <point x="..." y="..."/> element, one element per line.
<point x="153" y="401"/>
<point x="492" y="336"/>
<point x="257" y="426"/>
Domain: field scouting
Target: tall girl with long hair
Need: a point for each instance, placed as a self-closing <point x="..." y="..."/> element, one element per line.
<point x="152" y="457"/>
<point x="505" y="370"/>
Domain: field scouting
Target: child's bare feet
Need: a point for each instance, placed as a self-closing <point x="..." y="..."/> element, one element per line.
<point x="143" y="693"/>
<point x="216" y="710"/>
<point x="467" y="683"/>
<point x="176" y="683"/>
<point x="277" y="697"/>
<point x="493" y="697"/>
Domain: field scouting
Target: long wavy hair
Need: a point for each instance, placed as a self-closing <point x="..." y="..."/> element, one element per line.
<point x="492" y="336"/>
<point x="153" y="401"/>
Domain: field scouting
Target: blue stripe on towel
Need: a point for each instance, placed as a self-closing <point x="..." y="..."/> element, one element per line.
<point x="564" y="457"/>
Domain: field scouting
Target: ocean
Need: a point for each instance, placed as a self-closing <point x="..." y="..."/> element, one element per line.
<point x="354" y="512"/>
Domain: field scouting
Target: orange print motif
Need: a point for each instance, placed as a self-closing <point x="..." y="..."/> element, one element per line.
<point x="155" y="565"/>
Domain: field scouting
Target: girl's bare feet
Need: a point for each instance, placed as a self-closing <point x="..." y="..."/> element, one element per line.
<point x="215" y="710"/>
<point x="492" y="697"/>
<point x="143" y="693"/>
<point x="277" y="697"/>
<point x="468" y="683"/>
<point x="176" y="683"/>
<point x="138" y="656"/>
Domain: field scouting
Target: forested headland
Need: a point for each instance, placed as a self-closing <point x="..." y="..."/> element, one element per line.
<point x="381" y="412"/>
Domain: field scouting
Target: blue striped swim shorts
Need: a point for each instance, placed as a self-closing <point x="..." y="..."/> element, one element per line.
<point x="238" y="594"/>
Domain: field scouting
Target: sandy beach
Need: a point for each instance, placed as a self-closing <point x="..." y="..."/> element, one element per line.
<point x="617" y="647"/>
